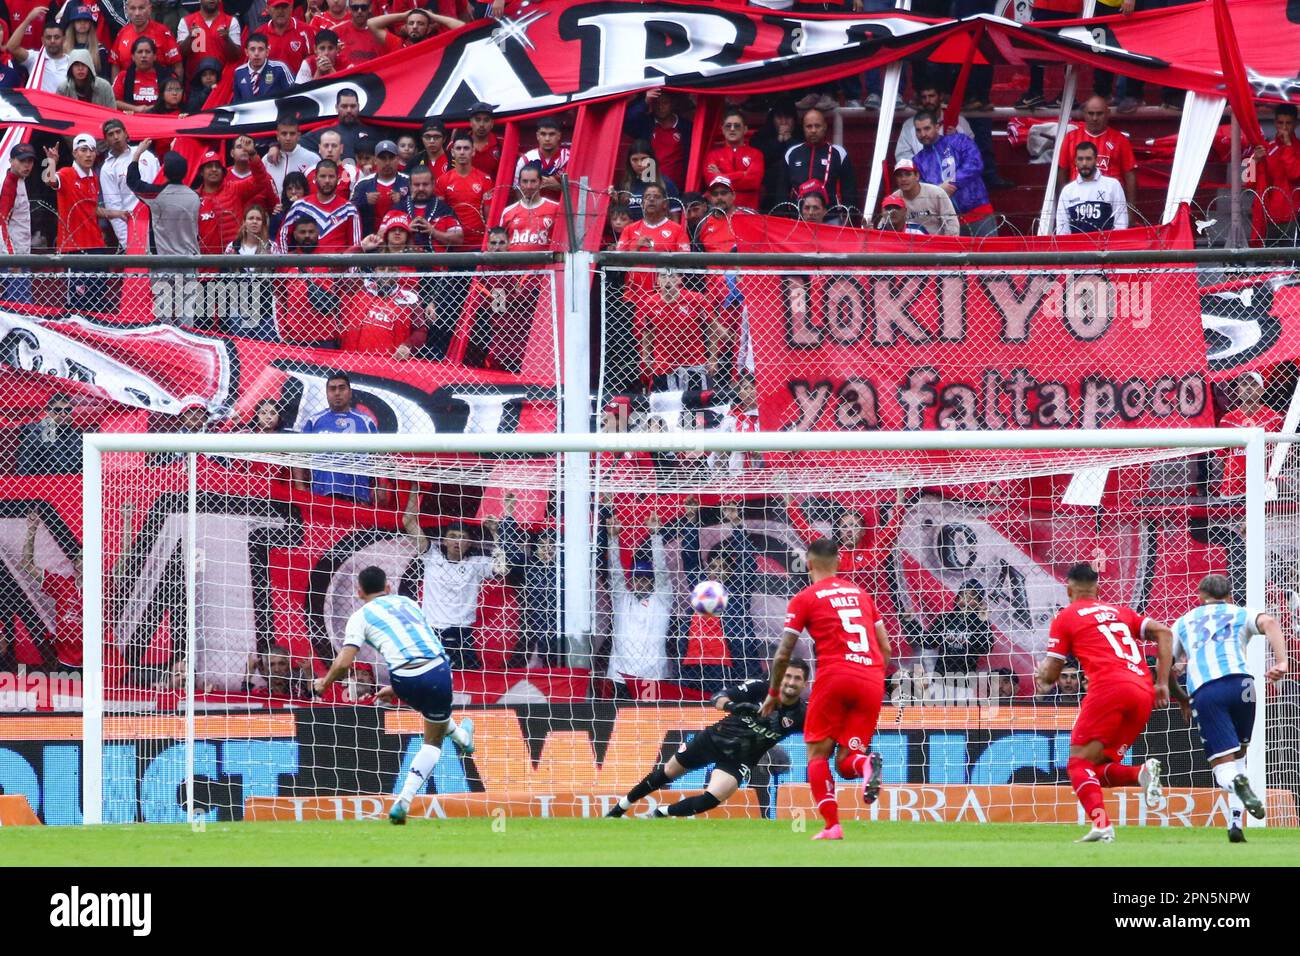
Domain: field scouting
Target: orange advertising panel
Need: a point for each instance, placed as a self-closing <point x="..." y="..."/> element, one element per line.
<point x="743" y="805"/>
<point x="1014" y="803"/>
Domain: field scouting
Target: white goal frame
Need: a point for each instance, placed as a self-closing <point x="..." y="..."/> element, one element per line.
<point x="576" y="449"/>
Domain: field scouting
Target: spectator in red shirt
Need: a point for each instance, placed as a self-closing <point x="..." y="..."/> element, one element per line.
<point x="31" y="29"/>
<point x="467" y="190"/>
<point x="80" y="208"/>
<point x="655" y="119"/>
<point x="65" y="590"/>
<point x="15" y="211"/>
<point x="241" y="168"/>
<point x="530" y="220"/>
<point x="289" y="40"/>
<point x="743" y="165"/>
<point x="487" y="149"/>
<point x="655" y="232"/>
<point x="1277" y="178"/>
<point x="223" y="198"/>
<point x="1114" y="154"/>
<point x="140" y="25"/>
<point x="326" y="60"/>
<point x="306" y="303"/>
<point x="356" y="40"/>
<point x="209" y="32"/>
<point x="418" y="24"/>
<point x="334" y="13"/>
<point x="434" y="155"/>
<point x="674" y="329"/>
<point x="139" y="86"/>
<point x="383" y="317"/>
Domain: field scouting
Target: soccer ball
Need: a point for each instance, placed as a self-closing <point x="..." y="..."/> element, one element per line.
<point x="709" y="597"/>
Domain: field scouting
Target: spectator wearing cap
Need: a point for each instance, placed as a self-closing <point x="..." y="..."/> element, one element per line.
<point x="54" y="66"/>
<point x="357" y="41"/>
<point x="325" y="58"/>
<point x="893" y="217"/>
<point x="385" y="189"/>
<point x="928" y="206"/>
<point x="222" y="197"/>
<point x="742" y="165"/>
<point x="433" y="153"/>
<point x="260" y="77"/>
<point x="15" y="210"/>
<point x="84" y="84"/>
<point x="642" y="610"/>
<point x="714" y="233"/>
<point x="173" y="207"/>
<point x="654" y="118"/>
<point x="140" y="24"/>
<point x="818" y="161"/>
<point x="952" y="162"/>
<point x="382" y="314"/>
<point x="209" y="32"/>
<point x="812" y="201"/>
<point x="86" y="28"/>
<point x="487" y="148"/>
<point x="113" y="187"/>
<point x="962" y="636"/>
<point x="288" y="155"/>
<point x="550" y="156"/>
<point x="80" y="206"/>
<point x="288" y="39"/>
<point x="347" y="105"/>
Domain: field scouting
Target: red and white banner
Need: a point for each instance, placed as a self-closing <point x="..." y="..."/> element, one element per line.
<point x="971" y="349"/>
<point x="555" y="54"/>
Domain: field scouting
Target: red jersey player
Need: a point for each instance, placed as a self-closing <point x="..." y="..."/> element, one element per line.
<point x="852" y="654"/>
<point x="1104" y="638"/>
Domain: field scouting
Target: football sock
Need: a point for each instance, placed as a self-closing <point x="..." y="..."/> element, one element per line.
<point x="458" y="736"/>
<point x="1118" y="775"/>
<point x="1083" y="778"/>
<point x="1224" y="774"/>
<point x="421" y="767"/>
<point x="851" y="765"/>
<point x="653" y="781"/>
<point x="690" y="806"/>
<point x="823" y="790"/>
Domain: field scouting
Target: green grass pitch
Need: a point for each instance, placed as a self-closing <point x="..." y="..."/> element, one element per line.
<point x="630" y="842"/>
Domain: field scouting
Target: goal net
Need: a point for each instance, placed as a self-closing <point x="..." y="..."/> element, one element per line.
<point x="557" y="570"/>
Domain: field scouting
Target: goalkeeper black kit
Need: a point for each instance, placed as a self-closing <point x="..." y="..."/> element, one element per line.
<point x="738" y="741"/>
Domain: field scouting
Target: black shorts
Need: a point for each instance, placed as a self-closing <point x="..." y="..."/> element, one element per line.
<point x="704" y="749"/>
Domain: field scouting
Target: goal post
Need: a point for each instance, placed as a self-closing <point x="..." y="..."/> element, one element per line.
<point x="930" y="478"/>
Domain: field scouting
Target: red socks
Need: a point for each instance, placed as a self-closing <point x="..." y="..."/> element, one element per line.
<point x="823" y="790"/>
<point x="1087" y="787"/>
<point x="1118" y="775"/>
<point x="851" y="765"/>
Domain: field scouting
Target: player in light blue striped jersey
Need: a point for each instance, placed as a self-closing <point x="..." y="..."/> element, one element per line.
<point x="418" y="669"/>
<point x="1212" y="638"/>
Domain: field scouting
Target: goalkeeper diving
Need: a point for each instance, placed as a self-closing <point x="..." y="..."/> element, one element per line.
<point x="733" y="745"/>
<point x="417" y="666"/>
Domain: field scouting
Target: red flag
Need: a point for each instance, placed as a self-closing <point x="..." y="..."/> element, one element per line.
<point x="1240" y="96"/>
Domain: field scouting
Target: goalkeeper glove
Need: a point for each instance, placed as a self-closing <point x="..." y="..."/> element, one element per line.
<point x="737" y="707"/>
